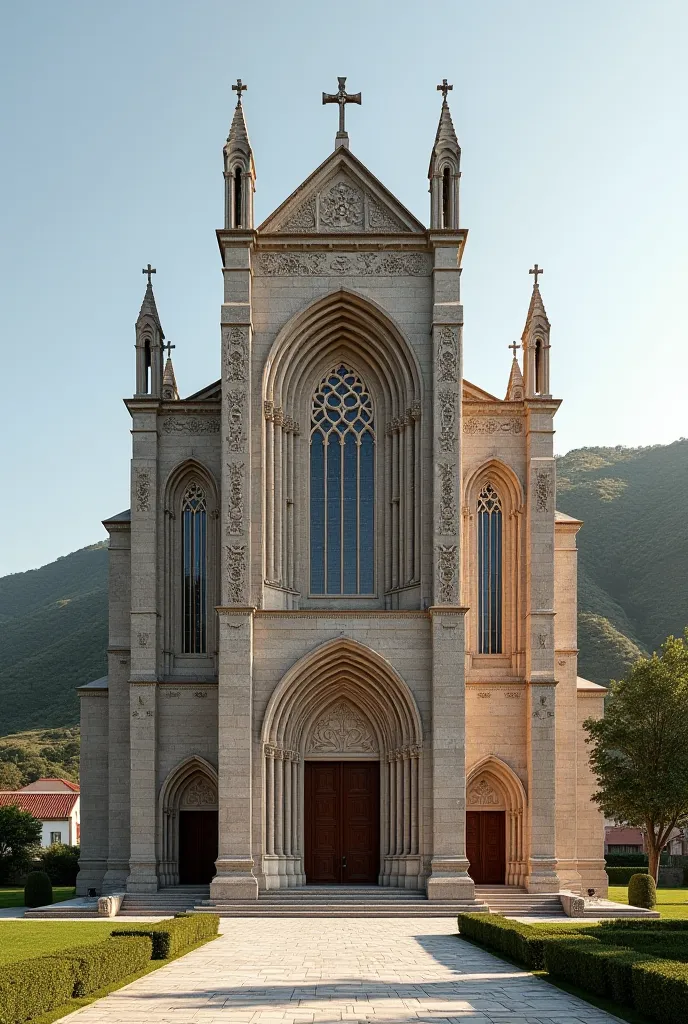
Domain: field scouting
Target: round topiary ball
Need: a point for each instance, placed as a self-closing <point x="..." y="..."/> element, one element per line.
<point x="38" y="891"/>
<point x="642" y="891"/>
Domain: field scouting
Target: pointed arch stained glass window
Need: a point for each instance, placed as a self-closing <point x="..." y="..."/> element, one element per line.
<point x="342" y="481"/>
<point x="490" y="584"/>
<point x="194" y="569"/>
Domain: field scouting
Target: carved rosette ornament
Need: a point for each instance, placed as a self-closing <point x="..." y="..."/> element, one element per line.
<point x="200" y="793"/>
<point x="341" y="207"/>
<point x="341" y="730"/>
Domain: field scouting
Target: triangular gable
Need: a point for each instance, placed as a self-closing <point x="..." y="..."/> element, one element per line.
<point x="472" y="393"/>
<point x="211" y="393"/>
<point x="339" y="197"/>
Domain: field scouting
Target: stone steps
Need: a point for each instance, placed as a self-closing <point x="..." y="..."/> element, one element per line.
<point x="164" y="902"/>
<point x="514" y="901"/>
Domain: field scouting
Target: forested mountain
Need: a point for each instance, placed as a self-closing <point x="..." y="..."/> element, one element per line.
<point x="633" y="572"/>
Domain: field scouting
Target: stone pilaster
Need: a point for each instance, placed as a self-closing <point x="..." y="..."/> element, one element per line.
<point x="94" y="789"/>
<point x="144" y="648"/>
<point x="235" y="878"/>
<point x="541" y="704"/>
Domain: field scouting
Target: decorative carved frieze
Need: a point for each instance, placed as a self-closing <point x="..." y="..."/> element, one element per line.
<point x="191" y="425"/>
<point x="142" y="484"/>
<point x="341" y="730"/>
<point x="235" y="573"/>
<point x="448" y="355"/>
<point x="235" y="498"/>
<point x="235" y="354"/>
<point x="543" y="490"/>
<point x="447" y="574"/>
<point x="236" y="436"/>
<point x="341" y="207"/>
<point x="303" y="218"/>
<point x="361" y="264"/>
<point x="491" y="425"/>
<point x="447" y="419"/>
<point x="200" y="793"/>
<point x="380" y="219"/>
<point x="482" y="795"/>
<point x="448" y="518"/>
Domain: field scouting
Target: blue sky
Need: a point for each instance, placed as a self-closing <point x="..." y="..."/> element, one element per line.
<point x="572" y="120"/>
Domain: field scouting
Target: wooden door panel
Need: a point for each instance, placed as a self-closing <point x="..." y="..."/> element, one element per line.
<point x="360" y="832"/>
<point x="342" y="821"/>
<point x="197" y="846"/>
<point x="486" y="846"/>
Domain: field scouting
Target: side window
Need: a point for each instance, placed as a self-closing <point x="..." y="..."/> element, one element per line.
<point x="490" y="584"/>
<point x="194" y="524"/>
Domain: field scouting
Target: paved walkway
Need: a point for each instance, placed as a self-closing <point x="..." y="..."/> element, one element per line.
<point x="321" y="970"/>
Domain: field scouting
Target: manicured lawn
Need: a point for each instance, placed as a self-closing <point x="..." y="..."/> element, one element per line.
<point x="15" y="897"/>
<point x="20" y="940"/>
<point x="670" y="902"/>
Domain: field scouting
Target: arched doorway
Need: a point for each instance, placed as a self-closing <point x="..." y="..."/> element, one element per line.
<point x="495" y="806"/>
<point x="342" y="761"/>
<point x="188" y="801"/>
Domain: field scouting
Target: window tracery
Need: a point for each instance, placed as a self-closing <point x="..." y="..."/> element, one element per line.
<point x="342" y="478"/>
<point x="490" y="582"/>
<point x="194" y="509"/>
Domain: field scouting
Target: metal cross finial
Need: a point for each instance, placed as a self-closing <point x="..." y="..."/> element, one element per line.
<point x="238" y="89"/>
<point x="342" y="97"/>
<point x="514" y="348"/>
<point x="168" y="348"/>
<point x="536" y="271"/>
<point x="149" y="270"/>
<point x="444" y="88"/>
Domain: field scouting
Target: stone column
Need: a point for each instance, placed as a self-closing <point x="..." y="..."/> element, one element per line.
<point x="235" y="879"/>
<point x="449" y="879"/>
<point x="541" y="728"/>
<point x="144" y="648"/>
<point x="94" y="788"/>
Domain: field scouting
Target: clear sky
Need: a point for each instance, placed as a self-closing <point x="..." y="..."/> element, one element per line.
<point x="572" y="119"/>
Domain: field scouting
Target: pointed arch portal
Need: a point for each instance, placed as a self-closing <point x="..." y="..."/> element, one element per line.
<point x="187" y="807"/>
<point x="343" y="702"/>
<point x="494" y="789"/>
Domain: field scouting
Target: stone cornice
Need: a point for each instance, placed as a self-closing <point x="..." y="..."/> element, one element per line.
<point x="342" y="613"/>
<point x="372" y="242"/>
<point x="447" y="609"/>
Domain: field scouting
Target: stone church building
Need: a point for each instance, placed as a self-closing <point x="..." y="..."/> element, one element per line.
<point x="342" y="627"/>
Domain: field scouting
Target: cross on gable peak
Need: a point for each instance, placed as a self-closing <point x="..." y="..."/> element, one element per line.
<point x="444" y="88"/>
<point x="238" y="89"/>
<point x="149" y="270"/>
<point x="536" y="271"/>
<point x="341" y="97"/>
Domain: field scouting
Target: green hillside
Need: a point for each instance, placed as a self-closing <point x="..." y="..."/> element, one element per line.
<point x="633" y="567"/>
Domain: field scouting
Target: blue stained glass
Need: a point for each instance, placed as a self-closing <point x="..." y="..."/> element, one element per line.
<point x="367" y="510"/>
<point x="317" y="515"/>
<point x="334" y="517"/>
<point x="350" y="515"/>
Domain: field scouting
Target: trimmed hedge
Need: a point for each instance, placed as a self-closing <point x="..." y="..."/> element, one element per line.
<point x="106" y="962"/>
<point x="522" y="942"/>
<point x="30" y="988"/>
<point x="622" y="876"/>
<point x="604" y="970"/>
<point x="642" y="924"/>
<point x="38" y="891"/>
<point x="625" y="860"/>
<point x="660" y="990"/>
<point x="665" y="945"/>
<point x="642" y="891"/>
<point x="173" y="936"/>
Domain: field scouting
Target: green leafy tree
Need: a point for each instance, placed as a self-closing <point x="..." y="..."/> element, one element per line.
<point x="10" y="776"/>
<point x="640" y="747"/>
<point x="20" y="835"/>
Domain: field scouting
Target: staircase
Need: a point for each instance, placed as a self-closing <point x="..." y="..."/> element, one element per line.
<point x="340" y="901"/>
<point x="164" y="902"/>
<point x="514" y="901"/>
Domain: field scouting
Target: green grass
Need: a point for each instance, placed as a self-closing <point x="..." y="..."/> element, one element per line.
<point x="20" y="940"/>
<point x="14" y="897"/>
<point x="670" y="902"/>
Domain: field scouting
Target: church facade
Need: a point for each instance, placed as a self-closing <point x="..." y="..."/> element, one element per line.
<point x="342" y="626"/>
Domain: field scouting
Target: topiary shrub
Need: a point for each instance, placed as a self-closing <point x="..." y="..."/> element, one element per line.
<point x="642" y="891"/>
<point x="38" y="891"/>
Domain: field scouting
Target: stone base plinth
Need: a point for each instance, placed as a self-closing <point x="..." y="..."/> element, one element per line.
<point x="449" y="880"/>
<point x="234" y="881"/>
<point x="142" y="877"/>
<point x="90" y="876"/>
<point x="542" y="876"/>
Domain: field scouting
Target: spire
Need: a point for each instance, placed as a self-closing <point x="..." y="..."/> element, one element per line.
<point x="170" y="392"/>
<point x="444" y="171"/>
<point x="515" y="387"/>
<point x="149" y="339"/>
<point x="148" y="307"/>
<point x="535" y="340"/>
<point x="240" y="169"/>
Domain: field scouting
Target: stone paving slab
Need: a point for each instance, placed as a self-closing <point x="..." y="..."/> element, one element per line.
<point x="326" y="970"/>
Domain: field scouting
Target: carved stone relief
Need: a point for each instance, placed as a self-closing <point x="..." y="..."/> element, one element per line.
<point x="448" y="355"/>
<point x="142" y="483"/>
<point x="543" y="490"/>
<point x="482" y="795"/>
<point x="341" y="730"/>
<point x="303" y="219"/>
<point x="447" y="574"/>
<point x="236" y="438"/>
<point x="361" y="264"/>
<point x="235" y="572"/>
<point x="190" y="425"/>
<point x="200" y="793"/>
<point x="491" y="425"/>
<point x="447" y="418"/>
<point x="448" y="518"/>
<point x="236" y="346"/>
<point x="341" y="207"/>
<point x="380" y="219"/>
<point x="235" y="500"/>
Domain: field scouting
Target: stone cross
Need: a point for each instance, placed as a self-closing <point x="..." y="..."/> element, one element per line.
<point x="444" y="88"/>
<point x="514" y="348"/>
<point x="536" y="271"/>
<point x="342" y="97"/>
<point x="149" y="270"/>
<point x="238" y="89"/>
<point x="168" y="348"/>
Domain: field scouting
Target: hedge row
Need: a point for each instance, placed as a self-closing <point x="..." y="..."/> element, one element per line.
<point x="173" y="936"/>
<point x="622" y="876"/>
<point x="625" y="860"/>
<point x="664" y="945"/>
<point x="660" y="991"/>
<point x="604" y="970"/>
<point x="30" y="988"/>
<point x="522" y="942"/>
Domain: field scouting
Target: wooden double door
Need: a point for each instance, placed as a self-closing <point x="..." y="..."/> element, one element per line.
<point x="197" y="846"/>
<point x="486" y="846"/>
<point x="342" y="822"/>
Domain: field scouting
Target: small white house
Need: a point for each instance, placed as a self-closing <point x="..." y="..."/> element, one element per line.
<point x="55" y="802"/>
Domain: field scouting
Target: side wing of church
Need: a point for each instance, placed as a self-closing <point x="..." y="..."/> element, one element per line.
<point x="342" y="627"/>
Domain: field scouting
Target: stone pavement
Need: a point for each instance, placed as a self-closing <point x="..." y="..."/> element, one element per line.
<point x="321" y="970"/>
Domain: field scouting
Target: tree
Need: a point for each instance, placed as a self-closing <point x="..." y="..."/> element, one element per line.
<point x="20" y="836"/>
<point x="10" y="775"/>
<point x="640" y="747"/>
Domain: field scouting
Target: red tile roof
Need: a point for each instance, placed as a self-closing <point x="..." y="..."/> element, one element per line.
<point x="44" y="806"/>
<point x="67" y="782"/>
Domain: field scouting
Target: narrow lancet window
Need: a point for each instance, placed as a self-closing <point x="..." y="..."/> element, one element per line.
<point x="446" y="201"/>
<point x="342" y="486"/>
<point x="237" y="198"/>
<point x="195" y="571"/>
<point x="538" y="367"/>
<point x="489" y="571"/>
